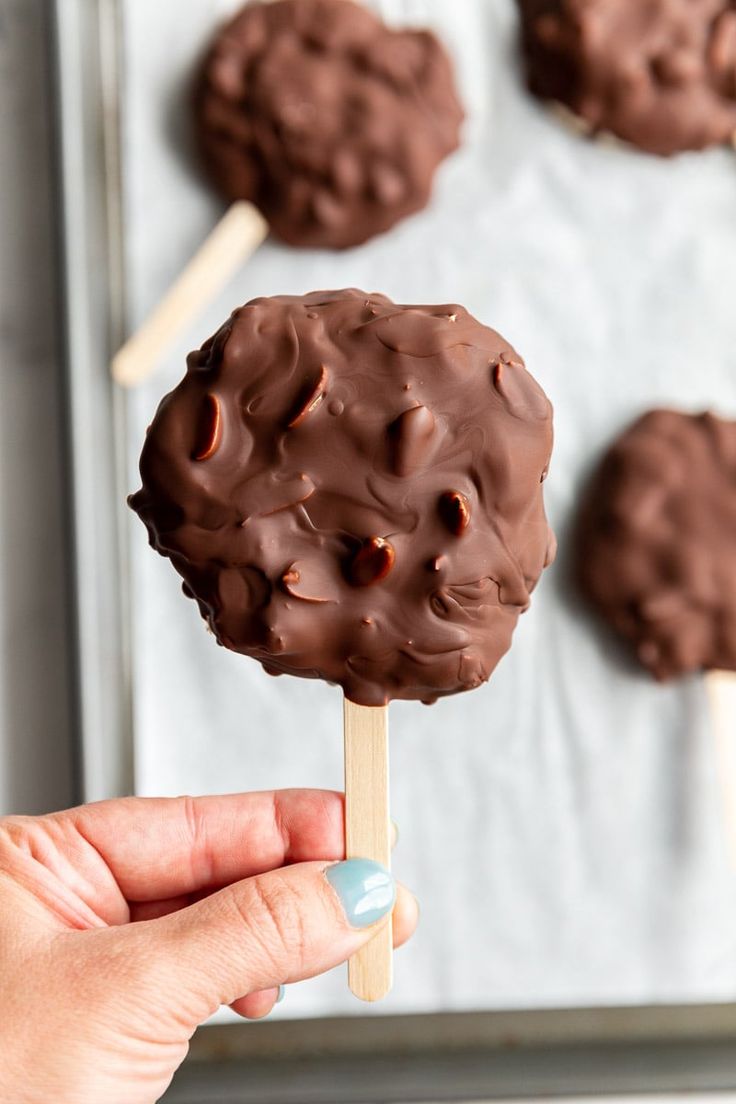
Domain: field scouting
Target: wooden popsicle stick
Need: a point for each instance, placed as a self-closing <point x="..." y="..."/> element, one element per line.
<point x="235" y="238"/>
<point x="368" y="833"/>
<point x="721" y="690"/>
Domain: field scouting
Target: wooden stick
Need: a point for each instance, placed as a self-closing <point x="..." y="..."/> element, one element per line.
<point x="721" y="689"/>
<point x="368" y="833"/>
<point x="237" y="235"/>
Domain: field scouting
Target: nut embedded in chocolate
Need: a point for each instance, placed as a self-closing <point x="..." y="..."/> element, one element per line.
<point x="208" y="429"/>
<point x="412" y="434"/>
<point x="308" y="585"/>
<point x="315" y="540"/>
<point x="660" y="74"/>
<point x="656" y="550"/>
<point x="312" y="396"/>
<point x="372" y="562"/>
<point x="455" y="511"/>
<point x="332" y="123"/>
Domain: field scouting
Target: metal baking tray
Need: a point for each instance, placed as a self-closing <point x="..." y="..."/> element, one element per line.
<point x="443" y="1057"/>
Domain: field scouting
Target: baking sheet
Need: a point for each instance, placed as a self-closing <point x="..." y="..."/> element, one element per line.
<point x="561" y="826"/>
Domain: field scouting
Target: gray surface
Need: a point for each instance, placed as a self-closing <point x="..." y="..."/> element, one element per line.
<point x="446" y="1078"/>
<point x="462" y="1057"/>
<point x="86" y="44"/>
<point x="35" y="761"/>
<point x="562" y="825"/>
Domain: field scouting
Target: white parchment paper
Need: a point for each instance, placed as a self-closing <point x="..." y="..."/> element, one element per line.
<point x="561" y="826"/>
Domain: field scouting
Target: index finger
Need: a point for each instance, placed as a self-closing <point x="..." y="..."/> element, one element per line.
<point x="163" y="847"/>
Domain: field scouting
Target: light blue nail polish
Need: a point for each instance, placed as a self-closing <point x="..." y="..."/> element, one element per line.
<point x="281" y="994"/>
<point x="366" y="889"/>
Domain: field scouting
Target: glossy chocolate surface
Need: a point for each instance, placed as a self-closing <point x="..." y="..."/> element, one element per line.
<point x="352" y="490"/>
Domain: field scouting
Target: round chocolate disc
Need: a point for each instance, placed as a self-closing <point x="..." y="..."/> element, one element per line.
<point x="657" y="541"/>
<point x="352" y="490"/>
<point x="660" y="74"/>
<point x="330" y="122"/>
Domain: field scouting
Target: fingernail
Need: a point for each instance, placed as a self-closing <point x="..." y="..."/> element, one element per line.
<point x="281" y="994"/>
<point x="394" y="834"/>
<point x="366" y="889"/>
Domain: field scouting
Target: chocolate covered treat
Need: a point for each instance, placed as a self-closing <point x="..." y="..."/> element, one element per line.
<point x="352" y="490"/>
<point x="660" y="74"/>
<point x="330" y="122"/>
<point x="657" y="541"/>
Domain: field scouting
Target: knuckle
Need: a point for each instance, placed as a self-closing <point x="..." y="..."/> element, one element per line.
<point x="196" y="828"/>
<point x="23" y="838"/>
<point x="14" y="830"/>
<point x="274" y="914"/>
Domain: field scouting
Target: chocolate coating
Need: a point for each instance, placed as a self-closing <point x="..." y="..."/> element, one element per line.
<point x="366" y="507"/>
<point x="657" y="541"/>
<point x="329" y="121"/>
<point x="660" y="74"/>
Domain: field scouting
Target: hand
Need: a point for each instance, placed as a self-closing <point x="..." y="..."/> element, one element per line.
<point x="125" y="924"/>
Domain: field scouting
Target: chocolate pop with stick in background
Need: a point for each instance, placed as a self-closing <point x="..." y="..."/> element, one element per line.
<point x="351" y="490"/>
<point x="656" y="556"/>
<point x="659" y="75"/>
<point x="315" y="121"/>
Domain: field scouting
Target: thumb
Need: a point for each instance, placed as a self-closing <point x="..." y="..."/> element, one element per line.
<point x="276" y="928"/>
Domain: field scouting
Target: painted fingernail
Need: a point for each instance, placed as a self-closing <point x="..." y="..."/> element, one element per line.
<point x="367" y="890"/>
<point x="281" y="994"/>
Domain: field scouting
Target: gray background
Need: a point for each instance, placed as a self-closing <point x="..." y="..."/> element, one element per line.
<point x="35" y="752"/>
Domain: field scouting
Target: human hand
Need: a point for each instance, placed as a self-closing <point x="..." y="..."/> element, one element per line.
<point x="125" y="924"/>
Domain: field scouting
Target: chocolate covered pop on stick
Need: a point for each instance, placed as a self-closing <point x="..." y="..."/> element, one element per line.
<point x="332" y="123"/>
<point x="656" y="555"/>
<point x="660" y="74"/>
<point x="352" y="490"/>
<point x="657" y="541"/>
<point x="316" y="116"/>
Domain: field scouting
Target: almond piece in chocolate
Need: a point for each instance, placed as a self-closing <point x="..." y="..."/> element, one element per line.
<point x="372" y="562"/>
<point x="411" y="435"/>
<point x="455" y="511"/>
<point x="311" y="397"/>
<point x="209" y="428"/>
